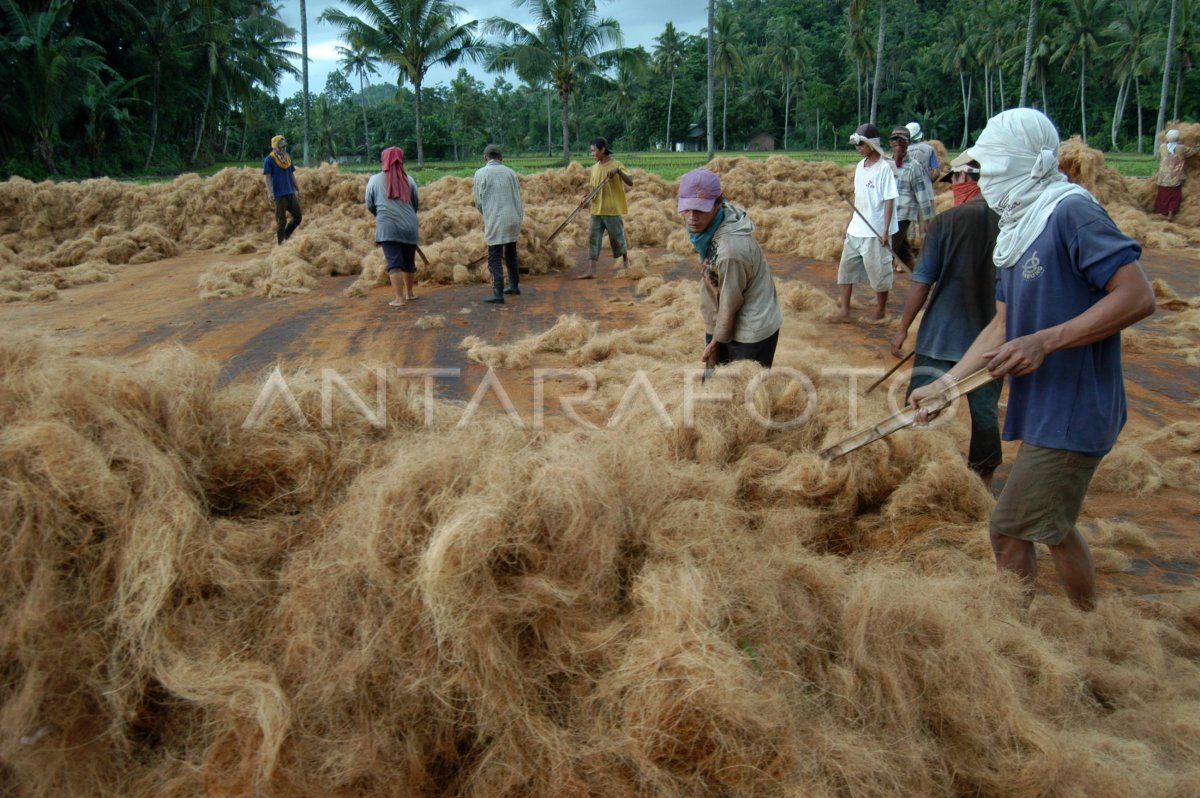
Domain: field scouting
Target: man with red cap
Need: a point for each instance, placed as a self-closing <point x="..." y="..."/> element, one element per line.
<point x="737" y="291"/>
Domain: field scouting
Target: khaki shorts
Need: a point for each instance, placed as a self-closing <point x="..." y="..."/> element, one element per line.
<point x="615" y="226"/>
<point x="1044" y="493"/>
<point x="865" y="260"/>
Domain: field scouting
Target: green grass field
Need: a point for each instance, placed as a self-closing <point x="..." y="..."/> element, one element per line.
<point x="668" y="165"/>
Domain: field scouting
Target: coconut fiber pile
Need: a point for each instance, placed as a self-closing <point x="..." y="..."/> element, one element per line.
<point x="54" y="236"/>
<point x="654" y="594"/>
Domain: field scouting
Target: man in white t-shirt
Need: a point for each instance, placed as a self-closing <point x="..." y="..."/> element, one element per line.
<point x="865" y="253"/>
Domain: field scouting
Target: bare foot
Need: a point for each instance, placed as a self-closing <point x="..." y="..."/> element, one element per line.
<point x="411" y="297"/>
<point x="397" y="303"/>
<point x="585" y="277"/>
<point x="840" y="318"/>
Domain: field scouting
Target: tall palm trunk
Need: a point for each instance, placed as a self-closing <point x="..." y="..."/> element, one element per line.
<point x="725" y="113"/>
<point x="1029" y="28"/>
<point x="787" y="100"/>
<point x="670" y="102"/>
<point x="362" y="93"/>
<point x="1166" y="81"/>
<point x="563" y="97"/>
<point x="549" y="136"/>
<point x="419" y="124"/>
<point x="1083" y="93"/>
<point x="203" y="119"/>
<point x="1137" y="90"/>
<point x="708" y="116"/>
<point x="1119" y="109"/>
<point x="966" y="98"/>
<point x="156" y="82"/>
<point x="878" y="61"/>
<point x="304" y="67"/>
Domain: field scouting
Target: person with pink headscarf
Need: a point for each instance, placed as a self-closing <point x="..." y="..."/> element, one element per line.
<point x="392" y="199"/>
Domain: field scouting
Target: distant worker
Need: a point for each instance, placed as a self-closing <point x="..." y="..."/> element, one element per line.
<point x="737" y="292"/>
<point x="914" y="197"/>
<point x="498" y="197"/>
<point x="1068" y="281"/>
<point x="608" y="207"/>
<point x="956" y="266"/>
<point x="392" y="200"/>
<point x="866" y="253"/>
<point x="279" y="174"/>
<point x="923" y="153"/>
<point x="1170" y="177"/>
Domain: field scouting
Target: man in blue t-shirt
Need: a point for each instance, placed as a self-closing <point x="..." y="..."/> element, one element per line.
<point x="279" y="174"/>
<point x="1068" y="281"/>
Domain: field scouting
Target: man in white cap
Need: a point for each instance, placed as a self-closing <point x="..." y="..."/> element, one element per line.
<point x="1170" y="177"/>
<point x="866" y="253"/>
<point x="1068" y="281"/>
<point x="955" y="273"/>
<point x="923" y="153"/>
<point x="737" y="292"/>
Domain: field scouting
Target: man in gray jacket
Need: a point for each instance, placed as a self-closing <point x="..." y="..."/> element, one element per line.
<point x="737" y="292"/>
<point x="498" y="198"/>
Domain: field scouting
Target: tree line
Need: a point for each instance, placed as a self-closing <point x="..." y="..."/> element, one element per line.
<point x="161" y="86"/>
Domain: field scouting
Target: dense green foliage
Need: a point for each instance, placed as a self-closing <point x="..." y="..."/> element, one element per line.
<point x="160" y="86"/>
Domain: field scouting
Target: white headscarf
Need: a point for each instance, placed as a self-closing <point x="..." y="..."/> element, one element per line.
<point x="1019" y="178"/>
<point x="1172" y="140"/>
<point x="856" y="139"/>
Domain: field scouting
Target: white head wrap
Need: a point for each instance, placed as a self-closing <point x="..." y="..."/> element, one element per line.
<point x="1172" y="140"/>
<point x="1019" y="178"/>
<point x="914" y="131"/>
<point x="856" y="139"/>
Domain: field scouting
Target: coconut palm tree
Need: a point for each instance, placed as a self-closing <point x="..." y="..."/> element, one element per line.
<point x="51" y="65"/>
<point x="791" y="57"/>
<point x="1131" y="37"/>
<point x="668" y="51"/>
<point x="1084" y="22"/>
<point x="727" y="56"/>
<point x="569" y="41"/>
<point x="412" y="35"/>
<point x="304" y="77"/>
<point x="161" y="28"/>
<point x="358" y="60"/>
<point x="1172" y="29"/>
<point x="857" y="48"/>
<point x="960" y="58"/>
<point x="878" y="60"/>
<point x="1028" y="62"/>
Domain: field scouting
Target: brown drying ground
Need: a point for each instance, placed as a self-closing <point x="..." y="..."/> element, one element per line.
<point x="149" y="305"/>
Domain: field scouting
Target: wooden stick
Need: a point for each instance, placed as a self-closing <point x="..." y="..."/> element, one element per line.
<point x="895" y="260"/>
<point x="890" y="372"/>
<point x="907" y="416"/>
<point x="586" y="201"/>
<point x="424" y="259"/>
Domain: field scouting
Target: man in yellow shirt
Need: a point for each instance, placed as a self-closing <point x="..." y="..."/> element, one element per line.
<point x="608" y="207"/>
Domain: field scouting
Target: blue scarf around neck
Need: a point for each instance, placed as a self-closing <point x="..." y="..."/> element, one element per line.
<point x="702" y="239"/>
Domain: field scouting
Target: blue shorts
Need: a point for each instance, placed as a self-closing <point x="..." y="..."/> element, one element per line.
<point x="400" y="257"/>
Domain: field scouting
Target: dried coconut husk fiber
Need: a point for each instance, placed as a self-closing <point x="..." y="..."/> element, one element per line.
<point x="300" y="609"/>
<point x="56" y="235"/>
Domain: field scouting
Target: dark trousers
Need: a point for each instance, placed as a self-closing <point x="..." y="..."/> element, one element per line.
<point x="985" y="454"/>
<point x="901" y="247"/>
<point x="509" y="251"/>
<point x="288" y="203"/>
<point x="762" y="352"/>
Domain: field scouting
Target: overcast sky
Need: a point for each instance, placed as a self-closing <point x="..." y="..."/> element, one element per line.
<point x="641" y="21"/>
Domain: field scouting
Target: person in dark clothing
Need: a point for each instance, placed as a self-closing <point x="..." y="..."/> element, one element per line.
<point x="956" y="275"/>
<point x="279" y="174"/>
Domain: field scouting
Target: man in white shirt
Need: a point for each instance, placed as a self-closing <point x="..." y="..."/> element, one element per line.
<point x="866" y="256"/>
